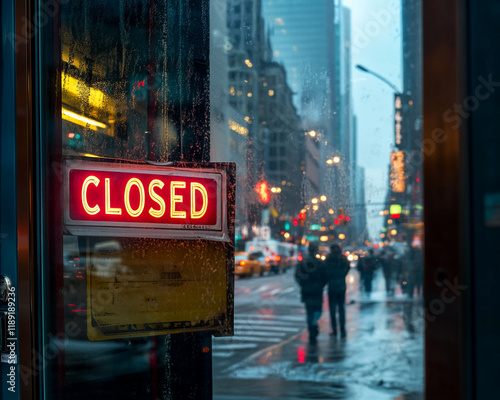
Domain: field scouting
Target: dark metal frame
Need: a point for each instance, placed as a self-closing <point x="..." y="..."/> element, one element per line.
<point x="447" y="202"/>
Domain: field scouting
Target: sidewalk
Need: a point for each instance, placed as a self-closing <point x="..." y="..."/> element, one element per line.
<point x="381" y="358"/>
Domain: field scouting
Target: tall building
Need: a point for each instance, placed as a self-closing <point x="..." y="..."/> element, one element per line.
<point x="305" y="37"/>
<point x="282" y="145"/>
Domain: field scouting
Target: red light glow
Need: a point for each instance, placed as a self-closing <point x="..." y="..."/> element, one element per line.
<point x="336" y="222"/>
<point x="263" y="190"/>
<point x="301" y="355"/>
<point x="347" y="218"/>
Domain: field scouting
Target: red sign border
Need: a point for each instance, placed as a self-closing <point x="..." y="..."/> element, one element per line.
<point x="217" y="232"/>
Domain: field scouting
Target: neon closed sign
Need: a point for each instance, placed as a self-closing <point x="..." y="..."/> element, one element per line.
<point x="105" y="199"/>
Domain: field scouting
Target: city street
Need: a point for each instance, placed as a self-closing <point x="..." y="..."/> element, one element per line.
<point x="269" y="356"/>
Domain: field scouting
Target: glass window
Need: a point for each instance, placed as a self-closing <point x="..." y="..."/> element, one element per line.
<point x="337" y="117"/>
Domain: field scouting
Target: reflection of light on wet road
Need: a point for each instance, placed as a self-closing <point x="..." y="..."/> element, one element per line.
<point x="302" y="355"/>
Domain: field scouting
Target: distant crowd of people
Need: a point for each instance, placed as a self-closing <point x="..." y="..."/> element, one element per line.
<point x="313" y="274"/>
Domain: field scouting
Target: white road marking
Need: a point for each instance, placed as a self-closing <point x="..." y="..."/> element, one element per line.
<point x="226" y="354"/>
<point x="234" y="346"/>
<point x="252" y="339"/>
<point x="258" y="333"/>
<point x="266" y="328"/>
<point x="274" y="318"/>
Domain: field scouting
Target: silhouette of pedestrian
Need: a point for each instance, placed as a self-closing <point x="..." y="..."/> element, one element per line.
<point x="310" y="275"/>
<point x="337" y="268"/>
<point x="366" y="268"/>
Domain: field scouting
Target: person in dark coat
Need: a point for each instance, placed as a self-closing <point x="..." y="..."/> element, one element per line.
<point x="366" y="268"/>
<point x="310" y="275"/>
<point x="337" y="268"/>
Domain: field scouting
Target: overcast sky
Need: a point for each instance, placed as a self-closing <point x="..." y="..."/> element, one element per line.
<point x="376" y="44"/>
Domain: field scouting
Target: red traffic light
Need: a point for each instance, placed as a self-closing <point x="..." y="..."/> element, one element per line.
<point x="263" y="190"/>
<point x="336" y="222"/>
<point x="347" y="218"/>
<point x="302" y="216"/>
<point x="295" y="222"/>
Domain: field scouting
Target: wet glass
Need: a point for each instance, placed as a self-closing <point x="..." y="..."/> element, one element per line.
<point x="322" y="110"/>
<point x="130" y="88"/>
<point x="319" y="106"/>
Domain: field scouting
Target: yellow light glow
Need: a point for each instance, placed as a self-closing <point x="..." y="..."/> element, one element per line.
<point x="323" y="238"/>
<point x="110" y="210"/>
<point x="232" y="92"/>
<point x="249" y="94"/>
<point x="318" y="256"/>
<point x="323" y="258"/>
<point x="350" y="257"/>
<point x="390" y="221"/>
<point x="286" y="235"/>
<point x="81" y="120"/>
<point x="233" y="125"/>
<point x="176" y="198"/>
<point x="126" y="197"/>
<point x="315" y="208"/>
<point x="91" y="155"/>
<point x="329" y="161"/>
<point x="323" y="198"/>
<point x="330" y="211"/>
<point x="248" y="63"/>
<point x="271" y="92"/>
<point x="336" y="159"/>
<point x="95" y="97"/>
<point x="158" y="199"/>
<point x="303" y="241"/>
<point x="89" y="180"/>
<point x="394" y="232"/>
<point x="314" y="200"/>
<point x="355" y="257"/>
<point x="198" y="187"/>
<point x="382" y="235"/>
<point x="341" y="236"/>
<point x="312" y="133"/>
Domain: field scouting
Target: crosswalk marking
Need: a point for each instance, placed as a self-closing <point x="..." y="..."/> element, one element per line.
<point x="266" y="328"/>
<point x="251" y="339"/>
<point x="273" y="318"/>
<point x="235" y="346"/>
<point x="258" y="333"/>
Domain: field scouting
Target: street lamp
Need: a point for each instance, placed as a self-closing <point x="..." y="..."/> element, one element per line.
<point x="368" y="71"/>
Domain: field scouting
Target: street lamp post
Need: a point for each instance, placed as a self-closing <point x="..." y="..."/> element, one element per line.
<point x="387" y="82"/>
<point x="399" y="94"/>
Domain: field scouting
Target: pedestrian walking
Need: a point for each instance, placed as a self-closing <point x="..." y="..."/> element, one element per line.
<point x="311" y="277"/>
<point x="366" y="267"/>
<point x="337" y="268"/>
<point x="388" y="267"/>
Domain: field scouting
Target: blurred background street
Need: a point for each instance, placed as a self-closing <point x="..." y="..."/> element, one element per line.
<point x="269" y="356"/>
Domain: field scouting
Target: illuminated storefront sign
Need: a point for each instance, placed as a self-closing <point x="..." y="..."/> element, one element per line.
<point x="398" y="120"/>
<point x="105" y="199"/>
<point x="397" y="178"/>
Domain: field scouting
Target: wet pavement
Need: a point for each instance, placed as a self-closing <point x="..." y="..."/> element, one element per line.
<point x="270" y="358"/>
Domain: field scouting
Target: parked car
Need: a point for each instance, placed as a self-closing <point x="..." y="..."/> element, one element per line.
<point x="246" y="264"/>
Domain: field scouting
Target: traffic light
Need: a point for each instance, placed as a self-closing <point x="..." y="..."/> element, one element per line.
<point x="295" y="222"/>
<point x="263" y="190"/>
<point x="302" y="219"/>
<point x="341" y="217"/>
